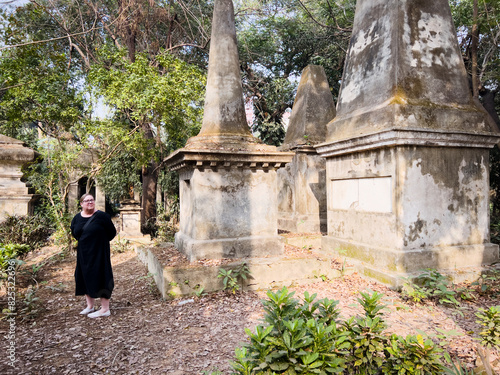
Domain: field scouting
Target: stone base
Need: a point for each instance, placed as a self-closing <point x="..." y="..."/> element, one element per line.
<point x="130" y="223"/>
<point x="389" y="266"/>
<point x="20" y="205"/>
<point x="242" y="247"/>
<point x="306" y="241"/>
<point x="265" y="273"/>
<point x="303" y="224"/>
<point x="302" y="194"/>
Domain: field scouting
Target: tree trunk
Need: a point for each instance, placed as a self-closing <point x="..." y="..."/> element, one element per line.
<point x="149" y="183"/>
<point x="488" y="101"/>
<point x="474" y="51"/>
<point x="127" y="25"/>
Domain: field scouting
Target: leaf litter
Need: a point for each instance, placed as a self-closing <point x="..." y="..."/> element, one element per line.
<point x="148" y="335"/>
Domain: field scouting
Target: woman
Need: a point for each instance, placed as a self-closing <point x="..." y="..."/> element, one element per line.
<point x="93" y="275"/>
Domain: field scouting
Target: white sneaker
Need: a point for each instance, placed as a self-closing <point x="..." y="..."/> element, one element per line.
<point x="87" y="310"/>
<point x="99" y="313"/>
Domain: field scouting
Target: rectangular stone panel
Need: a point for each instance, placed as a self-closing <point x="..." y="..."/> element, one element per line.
<point x="362" y="194"/>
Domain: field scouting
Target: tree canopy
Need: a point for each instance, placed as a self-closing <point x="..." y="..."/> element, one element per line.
<point x="277" y="40"/>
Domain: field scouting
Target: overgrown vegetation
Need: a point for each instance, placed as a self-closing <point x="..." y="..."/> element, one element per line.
<point x="32" y="231"/>
<point x="431" y="285"/>
<point x="164" y="226"/>
<point x="234" y="278"/>
<point x="489" y="319"/>
<point x="308" y="337"/>
<point x="10" y="254"/>
<point x="20" y="235"/>
<point x="120" y="245"/>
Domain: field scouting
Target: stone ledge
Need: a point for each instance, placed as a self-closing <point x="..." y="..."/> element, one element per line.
<point x="308" y="241"/>
<point x="407" y="137"/>
<point x="265" y="273"/>
<point x="390" y="266"/>
<point x="224" y="159"/>
<point x="240" y="247"/>
<point x="302" y="223"/>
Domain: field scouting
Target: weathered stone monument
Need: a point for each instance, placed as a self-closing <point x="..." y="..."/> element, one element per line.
<point x="14" y="196"/>
<point x="130" y="219"/>
<point x="228" y="188"/>
<point x="407" y="154"/>
<point x="301" y="184"/>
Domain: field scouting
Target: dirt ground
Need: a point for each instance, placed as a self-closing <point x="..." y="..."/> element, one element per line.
<point x="148" y="335"/>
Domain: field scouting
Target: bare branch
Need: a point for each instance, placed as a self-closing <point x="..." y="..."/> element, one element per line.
<point x="19" y="85"/>
<point x="48" y="40"/>
<point x="317" y="22"/>
<point x="80" y="52"/>
<point x="187" y="45"/>
<point x="104" y="24"/>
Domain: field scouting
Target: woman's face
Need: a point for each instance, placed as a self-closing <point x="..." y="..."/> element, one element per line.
<point x="88" y="202"/>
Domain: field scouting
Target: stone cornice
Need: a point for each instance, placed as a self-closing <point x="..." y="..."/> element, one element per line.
<point x="298" y="148"/>
<point x="224" y="159"/>
<point x="407" y="137"/>
<point x="13" y="150"/>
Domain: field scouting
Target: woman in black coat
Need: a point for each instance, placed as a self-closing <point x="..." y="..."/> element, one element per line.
<point x="93" y="275"/>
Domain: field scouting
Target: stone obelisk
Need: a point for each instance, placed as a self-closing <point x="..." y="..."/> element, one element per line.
<point x="302" y="183"/>
<point x="407" y="154"/>
<point x="228" y="187"/>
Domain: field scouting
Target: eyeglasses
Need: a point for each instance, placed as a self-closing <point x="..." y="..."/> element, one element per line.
<point x="88" y="201"/>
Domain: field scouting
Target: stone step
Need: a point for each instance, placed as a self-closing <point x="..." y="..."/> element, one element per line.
<point x="265" y="273"/>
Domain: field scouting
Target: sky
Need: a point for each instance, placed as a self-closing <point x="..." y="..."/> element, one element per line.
<point x="12" y="3"/>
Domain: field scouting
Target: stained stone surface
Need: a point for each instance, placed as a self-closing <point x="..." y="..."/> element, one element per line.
<point x="302" y="194"/>
<point x="228" y="188"/>
<point x="404" y="70"/>
<point x="14" y="196"/>
<point x="224" y="112"/>
<point x="407" y="155"/>
<point x="302" y="183"/>
<point x="312" y="109"/>
<point x="130" y="219"/>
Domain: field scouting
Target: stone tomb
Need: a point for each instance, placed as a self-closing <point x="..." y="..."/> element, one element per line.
<point x="407" y="154"/>
<point x="302" y="183"/>
<point x="14" y="196"/>
<point x="130" y="219"/>
<point x="228" y="207"/>
<point x="227" y="178"/>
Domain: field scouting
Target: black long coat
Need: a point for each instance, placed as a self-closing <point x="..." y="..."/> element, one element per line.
<point x="93" y="274"/>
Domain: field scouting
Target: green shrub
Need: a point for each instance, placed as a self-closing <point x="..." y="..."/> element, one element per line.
<point x="33" y="231"/>
<point x="365" y="335"/>
<point x="412" y="355"/>
<point x="120" y="245"/>
<point x="490" y="320"/>
<point x="231" y="278"/>
<point x="9" y="252"/>
<point x="306" y="337"/>
<point x="430" y="284"/>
